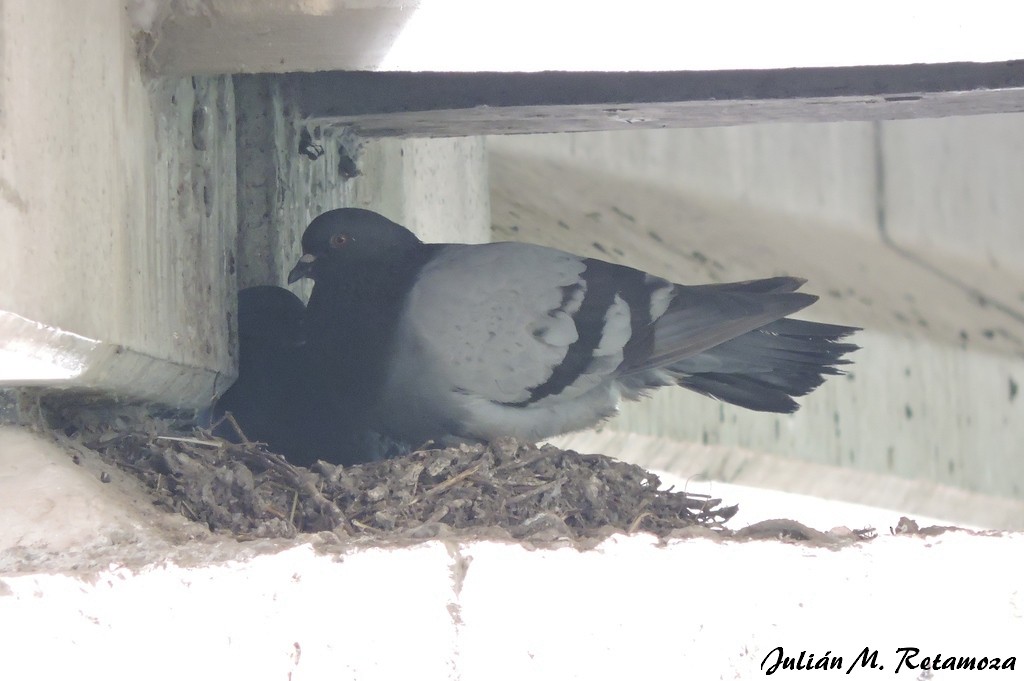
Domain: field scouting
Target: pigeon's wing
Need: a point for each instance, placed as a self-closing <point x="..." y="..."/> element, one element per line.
<point x="497" y="317"/>
<point x="520" y="324"/>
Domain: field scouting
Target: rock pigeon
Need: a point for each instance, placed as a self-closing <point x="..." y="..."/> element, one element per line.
<point x="281" y="397"/>
<point x="456" y="342"/>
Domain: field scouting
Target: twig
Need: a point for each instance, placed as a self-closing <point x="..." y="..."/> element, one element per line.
<point x="454" y="480"/>
<point x="213" y="444"/>
<point x="238" y="429"/>
<point x="633" y="526"/>
<point x="539" y="489"/>
<point x="542" y="454"/>
<point x="287" y="471"/>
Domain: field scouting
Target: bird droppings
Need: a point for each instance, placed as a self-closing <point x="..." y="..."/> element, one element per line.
<point x="507" y="490"/>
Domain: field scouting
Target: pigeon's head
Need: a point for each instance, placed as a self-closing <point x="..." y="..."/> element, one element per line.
<point x="349" y="235"/>
<point x="270" y="315"/>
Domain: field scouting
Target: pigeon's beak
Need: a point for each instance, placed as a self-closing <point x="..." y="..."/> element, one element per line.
<point x="303" y="268"/>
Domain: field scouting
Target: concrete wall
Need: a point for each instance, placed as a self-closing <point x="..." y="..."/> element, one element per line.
<point x="948" y="184"/>
<point x="908" y="229"/>
<point x="117" y="205"/>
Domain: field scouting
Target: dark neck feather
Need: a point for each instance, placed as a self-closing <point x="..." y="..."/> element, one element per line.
<point x="353" y="314"/>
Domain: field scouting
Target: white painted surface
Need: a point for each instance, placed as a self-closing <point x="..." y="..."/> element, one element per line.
<point x="626" y="610"/>
<point x="648" y="35"/>
<point x="634" y="610"/>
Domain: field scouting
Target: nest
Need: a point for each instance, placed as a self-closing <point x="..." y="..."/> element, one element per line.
<point x="512" y="488"/>
<point x="504" y="490"/>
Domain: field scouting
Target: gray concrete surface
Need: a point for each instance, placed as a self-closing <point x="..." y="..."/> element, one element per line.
<point x="933" y="394"/>
<point x="117" y="200"/>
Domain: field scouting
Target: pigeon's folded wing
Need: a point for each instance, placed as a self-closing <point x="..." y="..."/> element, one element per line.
<point x="497" y="317"/>
<point x="520" y="324"/>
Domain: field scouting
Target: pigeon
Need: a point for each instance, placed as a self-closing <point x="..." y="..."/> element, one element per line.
<point x="280" y="397"/>
<point x="449" y="342"/>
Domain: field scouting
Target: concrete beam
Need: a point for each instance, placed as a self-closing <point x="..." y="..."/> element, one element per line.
<point x="454" y="104"/>
<point x="117" y="197"/>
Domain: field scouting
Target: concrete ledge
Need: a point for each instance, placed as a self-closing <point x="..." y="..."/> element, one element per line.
<point x="37" y="355"/>
<point x="139" y="583"/>
<point x="493" y="611"/>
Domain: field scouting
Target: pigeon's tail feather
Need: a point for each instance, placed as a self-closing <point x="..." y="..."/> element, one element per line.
<point x="702" y="317"/>
<point x="770" y="285"/>
<point x="765" y="369"/>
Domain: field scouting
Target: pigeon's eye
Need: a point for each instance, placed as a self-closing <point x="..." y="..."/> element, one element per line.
<point x="340" y="240"/>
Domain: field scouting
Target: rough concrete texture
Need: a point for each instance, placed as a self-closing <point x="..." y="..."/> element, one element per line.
<point x="290" y="172"/>
<point x="933" y="394"/>
<point x="118" y="205"/>
<point x="137" y="583"/>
